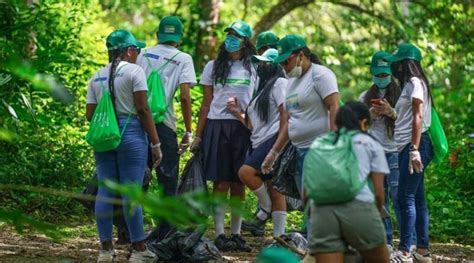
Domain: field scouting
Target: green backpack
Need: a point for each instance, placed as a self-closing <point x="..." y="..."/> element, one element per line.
<point x="156" y="92"/>
<point x="437" y="137"/>
<point x="331" y="169"/>
<point x="104" y="133"/>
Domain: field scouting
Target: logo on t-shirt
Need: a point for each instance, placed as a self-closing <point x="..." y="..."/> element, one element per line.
<point x="292" y="102"/>
<point x="100" y="79"/>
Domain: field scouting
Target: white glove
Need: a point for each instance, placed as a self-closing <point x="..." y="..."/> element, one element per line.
<point x="156" y="154"/>
<point x="196" y="145"/>
<point x="415" y="162"/>
<point x="185" y="142"/>
<point x="267" y="165"/>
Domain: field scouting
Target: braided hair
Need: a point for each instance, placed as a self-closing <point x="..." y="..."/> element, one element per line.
<point x="115" y="56"/>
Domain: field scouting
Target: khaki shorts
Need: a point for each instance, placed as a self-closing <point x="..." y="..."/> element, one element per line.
<point x="354" y="223"/>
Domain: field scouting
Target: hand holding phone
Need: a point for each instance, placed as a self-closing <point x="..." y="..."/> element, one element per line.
<point x="375" y="102"/>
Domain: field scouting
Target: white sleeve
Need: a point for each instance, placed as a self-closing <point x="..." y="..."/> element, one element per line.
<point x="362" y="96"/>
<point x="188" y="75"/>
<point x="278" y="91"/>
<point x="378" y="161"/>
<point x="91" y="98"/>
<point x="206" y="77"/>
<point x="418" y="90"/>
<point x="138" y="79"/>
<point x="327" y="84"/>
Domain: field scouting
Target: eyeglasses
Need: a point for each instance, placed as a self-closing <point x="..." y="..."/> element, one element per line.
<point x="287" y="61"/>
<point x="137" y="49"/>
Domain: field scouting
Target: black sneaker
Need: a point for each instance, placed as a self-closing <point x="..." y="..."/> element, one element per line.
<point x="256" y="226"/>
<point x="224" y="244"/>
<point x="240" y="244"/>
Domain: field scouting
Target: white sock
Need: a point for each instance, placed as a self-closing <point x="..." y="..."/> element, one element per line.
<point x="264" y="201"/>
<point x="279" y="223"/>
<point x="219" y="214"/>
<point x="235" y="222"/>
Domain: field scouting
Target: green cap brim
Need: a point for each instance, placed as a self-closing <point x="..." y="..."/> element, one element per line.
<point x="140" y="44"/>
<point x="282" y="57"/>
<point x="392" y="58"/>
<point x="240" y="33"/>
<point x="162" y="38"/>
<point x="256" y="59"/>
<point x="380" y="70"/>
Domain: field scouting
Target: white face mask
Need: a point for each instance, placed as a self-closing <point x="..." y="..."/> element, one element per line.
<point x="297" y="70"/>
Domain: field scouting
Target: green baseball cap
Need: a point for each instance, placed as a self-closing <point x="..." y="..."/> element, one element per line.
<point x="379" y="65"/>
<point x="122" y="38"/>
<point x="170" y="29"/>
<point x="241" y="28"/>
<point x="266" y="38"/>
<point x="268" y="56"/>
<point x="405" y="51"/>
<point x="287" y="45"/>
<point x="276" y="254"/>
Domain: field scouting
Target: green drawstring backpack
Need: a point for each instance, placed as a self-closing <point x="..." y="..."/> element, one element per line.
<point x="156" y="92"/>
<point x="104" y="133"/>
<point x="331" y="169"/>
<point x="437" y="137"/>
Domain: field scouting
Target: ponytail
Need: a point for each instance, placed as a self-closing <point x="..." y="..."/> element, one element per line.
<point x="350" y="114"/>
<point x="312" y="57"/>
<point x="115" y="56"/>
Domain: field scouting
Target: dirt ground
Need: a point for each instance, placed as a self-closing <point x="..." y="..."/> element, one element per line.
<point x="38" y="248"/>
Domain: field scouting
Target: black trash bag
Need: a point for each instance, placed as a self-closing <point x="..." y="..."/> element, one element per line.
<point x="295" y="242"/>
<point x="285" y="171"/>
<point x="192" y="179"/>
<point x="185" y="246"/>
<point x="293" y="204"/>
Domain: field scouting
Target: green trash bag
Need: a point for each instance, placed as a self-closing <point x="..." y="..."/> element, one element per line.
<point x="437" y="137"/>
<point x="156" y="92"/>
<point x="331" y="169"/>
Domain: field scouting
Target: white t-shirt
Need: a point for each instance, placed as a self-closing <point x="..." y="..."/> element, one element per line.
<point x="308" y="116"/>
<point x="413" y="89"/>
<point x="240" y="84"/>
<point x="379" y="129"/>
<point x="129" y="78"/>
<point x="371" y="158"/>
<point x="262" y="131"/>
<point x="179" y="70"/>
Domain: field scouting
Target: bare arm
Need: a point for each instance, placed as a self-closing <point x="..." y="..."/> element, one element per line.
<point x="186" y="106"/>
<point x="90" y="109"/>
<point x="283" y="137"/>
<point x="144" y="113"/>
<point x="417" y="126"/>
<point x="377" y="180"/>
<point x="205" y="107"/>
<point x="332" y="103"/>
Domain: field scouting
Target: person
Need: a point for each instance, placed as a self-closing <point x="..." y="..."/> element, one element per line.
<point x="415" y="150"/>
<point x="126" y="164"/>
<point x="267" y="119"/>
<point x="265" y="41"/>
<point x="312" y="99"/>
<point x="225" y="140"/>
<point x="381" y="98"/>
<point x="175" y="69"/>
<point x="357" y="222"/>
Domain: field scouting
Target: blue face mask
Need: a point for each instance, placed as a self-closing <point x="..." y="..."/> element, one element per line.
<point x="382" y="83"/>
<point x="232" y="43"/>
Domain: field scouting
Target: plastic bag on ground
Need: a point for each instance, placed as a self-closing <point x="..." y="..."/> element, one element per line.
<point x="192" y="179"/>
<point x="293" y="204"/>
<point x="285" y="172"/>
<point x="295" y="242"/>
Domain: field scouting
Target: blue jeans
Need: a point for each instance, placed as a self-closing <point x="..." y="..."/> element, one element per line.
<point x="411" y="197"/>
<point x="391" y="191"/>
<point x="125" y="165"/>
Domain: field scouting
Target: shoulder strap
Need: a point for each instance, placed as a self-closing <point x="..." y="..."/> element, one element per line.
<point x="168" y="61"/>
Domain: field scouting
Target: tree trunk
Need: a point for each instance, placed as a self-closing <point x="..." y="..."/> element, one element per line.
<point x="207" y="42"/>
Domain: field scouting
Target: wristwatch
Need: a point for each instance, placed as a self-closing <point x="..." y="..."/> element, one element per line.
<point x="413" y="148"/>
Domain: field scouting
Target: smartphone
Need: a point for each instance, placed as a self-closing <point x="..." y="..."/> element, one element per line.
<point x="375" y="102"/>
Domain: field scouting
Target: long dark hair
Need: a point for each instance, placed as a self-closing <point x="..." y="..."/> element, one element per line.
<point x="312" y="56"/>
<point x="391" y="95"/>
<point x="411" y="68"/>
<point x="267" y="81"/>
<point x="350" y="114"/>
<point x="115" y="56"/>
<point x="221" y="68"/>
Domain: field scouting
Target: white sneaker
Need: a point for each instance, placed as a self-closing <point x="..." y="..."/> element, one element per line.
<point x="143" y="256"/>
<point x="399" y="257"/>
<point x="106" y="255"/>
<point x="422" y="258"/>
<point x="390" y="251"/>
<point x="412" y="248"/>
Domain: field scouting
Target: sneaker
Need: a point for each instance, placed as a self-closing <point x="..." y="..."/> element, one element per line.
<point x="240" y="243"/>
<point x="399" y="257"/>
<point x="143" y="256"/>
<point x="223" y="243"/>
<point x="106" y="255"/>
<point x="422" y="258"/>
<point x="255" y="226"/>
<point x="390" y="251"/>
